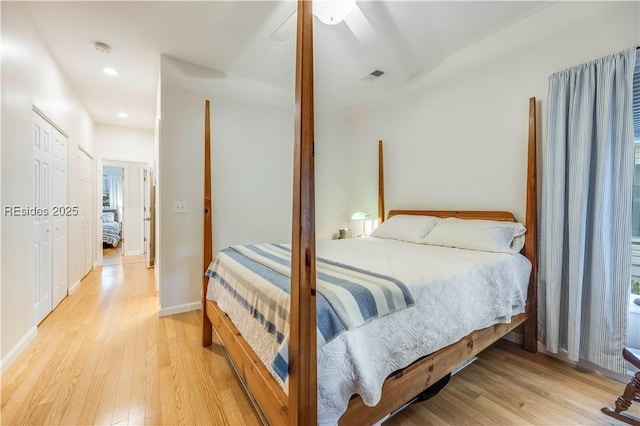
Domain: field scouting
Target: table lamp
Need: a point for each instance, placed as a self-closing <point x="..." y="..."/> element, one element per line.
<point x="360" y="216"/>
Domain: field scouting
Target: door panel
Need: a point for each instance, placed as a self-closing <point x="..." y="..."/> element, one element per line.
<point x="42" y="225"/>
<point x="59" y="220"/>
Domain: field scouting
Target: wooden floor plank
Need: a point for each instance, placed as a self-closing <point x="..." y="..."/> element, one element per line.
<point x="91" y="402"/>
<point x="105" y="357"/>
<point x="507" y="385"/>
<point x="16" y="408"/>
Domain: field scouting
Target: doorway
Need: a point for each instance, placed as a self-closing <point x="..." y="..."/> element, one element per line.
<point x="112" y="214"/>
<point x="123" y="208"/>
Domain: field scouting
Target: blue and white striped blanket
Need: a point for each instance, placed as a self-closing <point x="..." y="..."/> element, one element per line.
<point x="111" y="233"/>
<point x="259" y="278"/>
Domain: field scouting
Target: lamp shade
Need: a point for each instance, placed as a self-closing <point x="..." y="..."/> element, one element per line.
<point x="359" y="216"/>
<point x="332" y="12"/>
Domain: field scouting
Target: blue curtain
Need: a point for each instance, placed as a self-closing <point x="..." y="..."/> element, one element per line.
<point x="585" y="236"/>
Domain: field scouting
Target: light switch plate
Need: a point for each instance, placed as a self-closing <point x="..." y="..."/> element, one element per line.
<point x="179" y="206"/>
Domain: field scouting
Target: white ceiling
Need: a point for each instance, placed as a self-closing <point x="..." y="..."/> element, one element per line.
<point x="233" y="38"/>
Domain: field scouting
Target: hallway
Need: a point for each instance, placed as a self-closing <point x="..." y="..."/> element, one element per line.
<point x="104" y="357"/>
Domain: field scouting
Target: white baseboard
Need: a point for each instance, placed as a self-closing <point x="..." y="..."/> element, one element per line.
<point x="133" y="252"/>
<point x="178" y="309"/>
<point x="73" y="288"/>
<point x="17" y="349"/>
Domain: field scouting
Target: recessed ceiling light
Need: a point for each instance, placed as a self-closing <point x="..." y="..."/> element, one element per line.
<point x="110" y="71"/>
<point x="123" y="115"/>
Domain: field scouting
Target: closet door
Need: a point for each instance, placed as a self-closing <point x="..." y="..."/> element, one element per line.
<point x="42" y="146"/>
<point x="60" y="217"/>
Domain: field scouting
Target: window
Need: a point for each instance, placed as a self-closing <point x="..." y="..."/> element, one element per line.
<point x="105" y="193"/>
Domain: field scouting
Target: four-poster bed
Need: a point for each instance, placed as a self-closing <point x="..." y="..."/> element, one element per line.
<point x="299" y="406"/>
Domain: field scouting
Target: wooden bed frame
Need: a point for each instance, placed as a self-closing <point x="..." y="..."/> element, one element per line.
<point x="299" y="407"/>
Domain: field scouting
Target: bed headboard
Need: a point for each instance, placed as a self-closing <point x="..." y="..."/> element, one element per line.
<point x="531" y="223"/>
<point x="460" y="214"/>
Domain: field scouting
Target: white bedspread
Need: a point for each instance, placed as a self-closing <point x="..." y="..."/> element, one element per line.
<point x="456" y="292"/>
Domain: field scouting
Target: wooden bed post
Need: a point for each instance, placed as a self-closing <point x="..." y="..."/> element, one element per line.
<point x="380" y="184"/>
<point x="530" y="338"/>
<point x="208" y="232"/>
<point x="302" y="332"/>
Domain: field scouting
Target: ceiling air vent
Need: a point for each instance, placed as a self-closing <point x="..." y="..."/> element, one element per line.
<point x="102" y="47"/>
<point x="376" y="73"/>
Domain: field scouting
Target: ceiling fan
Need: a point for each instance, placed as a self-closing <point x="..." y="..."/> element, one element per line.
<point x="333" y="12"/>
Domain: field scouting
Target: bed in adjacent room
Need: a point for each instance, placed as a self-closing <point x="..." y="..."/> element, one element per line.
<point x="111" y="229"/>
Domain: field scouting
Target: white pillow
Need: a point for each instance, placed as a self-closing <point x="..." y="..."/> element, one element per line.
<point x="411" y="228"/>
<point x="108" y="217"/>
<point x="484" y="235"/>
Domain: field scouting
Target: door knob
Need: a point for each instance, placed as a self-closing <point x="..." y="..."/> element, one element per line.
<point x="147" y="219"/>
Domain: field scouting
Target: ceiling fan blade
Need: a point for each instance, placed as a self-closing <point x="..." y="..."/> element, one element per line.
<point x="360" y="26"/>
<point x="285" y="30"/>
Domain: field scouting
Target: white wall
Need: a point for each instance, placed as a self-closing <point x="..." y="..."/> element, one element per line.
<point x="2" y="356"/>
<point x="251" y="172"/>
<point x="133" y="230"/>
<point x="458" y="139"/>
<point x="331" y="173"/>
<point x="155" y="171"/>
<point x="29" y="77"/>
<point x="123" y="143"/>
<point x="252" y="159"/>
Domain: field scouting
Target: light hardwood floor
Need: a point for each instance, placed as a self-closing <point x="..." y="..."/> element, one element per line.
<point x="104" y="357"/>
<point x="110" y="251"/>
<point x="114" y="256"/>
